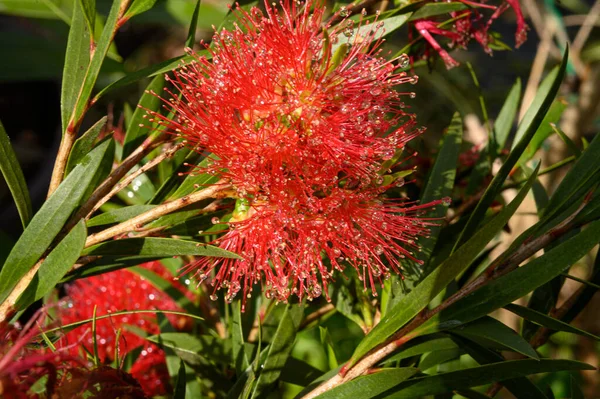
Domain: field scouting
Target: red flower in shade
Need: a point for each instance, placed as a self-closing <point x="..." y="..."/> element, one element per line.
<point x="23" y="364"/>
<point x="300" y="123"/>
<point x="468" y="24"/>
<point x="116" y="291"/>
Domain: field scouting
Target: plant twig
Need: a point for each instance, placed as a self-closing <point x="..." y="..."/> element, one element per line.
<point x="155" y="213"/>
<point x="586" y="28"/>
<point x="132" y="176"/>
<point x="7" y="308"/>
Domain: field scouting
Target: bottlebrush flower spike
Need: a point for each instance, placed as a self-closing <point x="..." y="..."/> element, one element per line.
<point x="301" y="119"/>
<point x="116" y="291"/>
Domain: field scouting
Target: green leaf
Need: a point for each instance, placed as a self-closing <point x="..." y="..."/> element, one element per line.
<point x="191" y="37"/>
<point x="372" y="385"/>
<point x="56" y="265"/>
<point x="138" y="7"/>
<point x="279" y="350"/>
<point x="441" y="180"/>
<point x="160" y="247"/>
<point x="192" y="181"/>
<point x="544" y="320"/>
<point x="165" y="286"/>
<point x="444" y="274"/>
<point x="77" y="60"/>
<point x="506" y="117"/>
<point x="528" y="127"/>
<point x="298" y="372"/>
<point x="544" y="131"/>
<point x="240" y="360"/>
<point x="84" y="144"/>
<point x="118" y="215"/>
<point x="581" y="176"/>
<point x="438" y="358"/>
<point x="180" y="384"/>
<point x="476" y="376"/>
<point x="48" y="221"/>
<point x="13" y="175"/>
<point x="521" y="387"/>
<point x="80" y="92"/>
<point x="89" y="12"/>
<point x="433" y="9"/>
<point x="108" y="264"/>
<point x="512" y="286"/>
<point x="148" y="72"/>
<point x="418" y="346"/>
<point x="136" y="134"/>
<point x="490" y="332"/>
<point x="194" y="348"/>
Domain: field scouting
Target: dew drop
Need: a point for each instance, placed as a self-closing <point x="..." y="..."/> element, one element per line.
<point x="403" y="61"/>
<point x="414" y="80"/>
<point x="213" y="297"/>
<point x="447" y="201"/>
<point x="215" y="220"/>
<point x="344" y="12"/>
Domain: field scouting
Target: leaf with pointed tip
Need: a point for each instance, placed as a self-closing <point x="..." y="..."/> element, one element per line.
<point x="420" y="345"/>
<point x="149" y="101"/>
<point x="89" y="12"/>
<point x="13" y="175"/>
<point x="138" y="7"/>
<point x="191" y="37"/>
<point x="489" y="332"/>
<point x="84" y="144"/>
<point x="527" y="129"/>
<point x="180" y="384"/>
<point x="433" y="9"/>
<point x="49" y="220"/>
<point x="438" y="384"/>
<point x="518" y="283"/>
<point x="544" y="320"/>
<point x="279" y="350"/>
<point x="506" y="117"/>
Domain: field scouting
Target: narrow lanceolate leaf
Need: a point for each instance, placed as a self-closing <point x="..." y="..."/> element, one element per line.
<point x="77" y="60"/>
<point x="240" y="360"/>
<point x="89" y="12"/>
<point x="441" y="179"/>
<point x="422" y="345"/>
<point x="118" y="215"/>
<point x="191" y="38"/>
<point x="279" y="349"/>
<point x="84" y="144"/>
<point x="506" y="117"/>
<point x="149" y="101"/>
<point x="521" y="387"/>
<point x="138" y="7"/>
<point x="82" y="90"/>
<point x="520" y="282"/>
<point x="194" y="348"/>
<point x="13" y="175"/>
<point x="581" y="177"/>
<point x="180" y="383"/>
<point x="150" y="246"/>
<point x="56" y="265"/>
<point x="491" y="333"/>
<point x="544" y="320"/>
<point x="528" y="127"/>
<point x="371" y="385"/>
<point x="49" y="220"/>
<point x="444" y="274"/>
<point x="433" y="9"/>
<point x="476" y="376"/>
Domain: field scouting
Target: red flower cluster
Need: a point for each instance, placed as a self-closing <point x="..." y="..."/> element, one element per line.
<point x="468" y="24"/>
<point x="304" y="125"/>
<point x="116" y="291"/>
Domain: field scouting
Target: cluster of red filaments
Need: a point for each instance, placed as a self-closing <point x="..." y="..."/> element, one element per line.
<point x="304" y="125"/>
<point x="122" y="290"/>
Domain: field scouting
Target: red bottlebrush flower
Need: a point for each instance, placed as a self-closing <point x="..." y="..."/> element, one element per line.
<point x="284" y="243"/>
<point x="116" y="291"/>
<point x="471" y="23"/>
<point x="22" y="365"/>
<point x="300" y="123"/>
